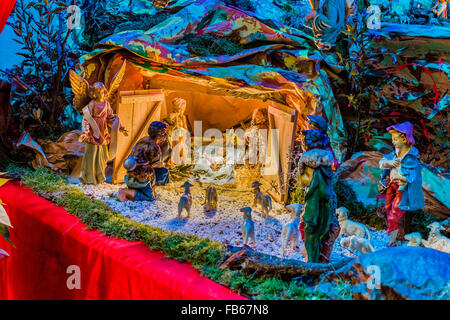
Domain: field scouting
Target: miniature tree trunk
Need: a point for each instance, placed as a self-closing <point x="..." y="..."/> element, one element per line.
<point x="251" y="262"/>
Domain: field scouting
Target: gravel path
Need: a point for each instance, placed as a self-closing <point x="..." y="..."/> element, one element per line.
<point x="223" y="226"/>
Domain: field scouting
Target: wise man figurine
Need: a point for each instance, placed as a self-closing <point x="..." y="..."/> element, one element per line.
<point x="158" y="133"/>
<point x="402" y="169"/>
<point x="140" y="172"/>
<point x="98" y="117"/>
<point x="315" y="172"/>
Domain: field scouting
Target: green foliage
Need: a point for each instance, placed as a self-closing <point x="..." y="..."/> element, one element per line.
<point x="42" y="179"/>
<point x="294" y="14"/>
<point x="343" y="290"/>
<point x="40" y="97"/>
<point x="338" y="290"/>
<point x="419" y="222"/>
<point x="204" y="254"/>
<point x="271" y="289"/>
<point x="342" y="46"/>
<point x="362" y="5"/>
<point x="5" y="234"/>
<point x="358" y="57"/>
<point x="297" y="194"/>
<point x="276" y="289"/>
<point x="211" y="45"/>
<point x="100" y="18"/>
<point x="346" y="197"/>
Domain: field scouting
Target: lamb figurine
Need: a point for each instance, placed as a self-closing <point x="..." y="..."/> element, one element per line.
<point x="355" y="243"/>
<point x="351" y="227"/>
<point x="261" y="199"/>
<point x="211" y="199"/>
<point x="414" y="239"/>
<point x="185" y="200"/>
<point x="436" y="240"/>
<point x="248" y="226"/>
<point x="290" y="230"/>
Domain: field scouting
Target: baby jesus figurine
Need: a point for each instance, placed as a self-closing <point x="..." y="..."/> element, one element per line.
<point x="219" y="160"/>
<point x="98" y="116"/>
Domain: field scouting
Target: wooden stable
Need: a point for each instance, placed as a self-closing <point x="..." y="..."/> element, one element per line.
<point x="138" y="108"/>
<point x="275" y="176"/>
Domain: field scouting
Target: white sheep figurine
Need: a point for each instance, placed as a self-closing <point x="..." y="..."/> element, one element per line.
<point x="436" y="240"/>
<point x="290" y="232"/>
<point x="414" y="239"/>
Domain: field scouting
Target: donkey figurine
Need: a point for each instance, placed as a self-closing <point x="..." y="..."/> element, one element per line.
<point x="261" y="199"/>
<point x="185" y="200"/>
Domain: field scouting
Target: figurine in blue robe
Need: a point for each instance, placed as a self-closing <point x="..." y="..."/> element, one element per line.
<point x="329" y="21"/>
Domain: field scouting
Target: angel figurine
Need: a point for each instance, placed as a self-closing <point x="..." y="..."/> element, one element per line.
<point x="441" y="8"/>
<point x="97" y="116"/>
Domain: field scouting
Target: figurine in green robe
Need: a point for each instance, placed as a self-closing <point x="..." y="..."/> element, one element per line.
<point x="315" y="172"/>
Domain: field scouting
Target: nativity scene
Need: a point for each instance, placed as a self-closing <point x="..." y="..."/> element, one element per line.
<point x="273" y="141"/>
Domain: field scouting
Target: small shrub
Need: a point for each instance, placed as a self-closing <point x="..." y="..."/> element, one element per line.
<point x="294" y="14"/>
<point x="297" y="194"/>
<point x="419" y="222"/>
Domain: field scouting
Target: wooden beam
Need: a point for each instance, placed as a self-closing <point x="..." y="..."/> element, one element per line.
<point x="291" y="148"/>
<point x="157" y="96"/>
<point x="288" y="116"/>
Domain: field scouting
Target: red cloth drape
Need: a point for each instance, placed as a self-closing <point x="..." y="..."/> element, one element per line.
<point x="48" y="240"/>
<point x="6" y="7"/>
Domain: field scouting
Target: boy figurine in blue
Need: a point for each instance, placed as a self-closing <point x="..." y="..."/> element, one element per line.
<point x="158" y="132"/>
<point x="140" y="173"/>
<point x="403" y="188"/>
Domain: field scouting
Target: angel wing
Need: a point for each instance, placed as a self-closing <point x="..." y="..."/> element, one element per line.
<point x="116" y="80"/>
<point x="80" y="88"/>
